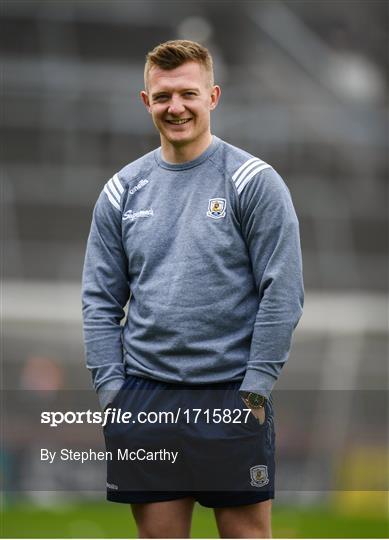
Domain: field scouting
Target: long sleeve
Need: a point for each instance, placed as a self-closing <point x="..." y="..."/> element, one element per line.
<point x="105" y="291"/>
<point x="271" y="231"/>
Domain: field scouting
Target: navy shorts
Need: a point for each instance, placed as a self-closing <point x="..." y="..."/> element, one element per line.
<point x="181" y="441"/>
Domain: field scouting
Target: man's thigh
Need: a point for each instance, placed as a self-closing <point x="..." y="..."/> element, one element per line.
<point x="167" y="519"/>
<point x="246" y="521"/>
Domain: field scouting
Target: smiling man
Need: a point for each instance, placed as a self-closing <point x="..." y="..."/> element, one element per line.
<point x="202" y="239"/>
<point x="180" y="101"/>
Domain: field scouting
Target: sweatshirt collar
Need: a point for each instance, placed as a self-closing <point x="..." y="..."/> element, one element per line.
<point x="187" y="164"/>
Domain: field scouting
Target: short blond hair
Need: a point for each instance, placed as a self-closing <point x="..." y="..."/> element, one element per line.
<point x="172" y="54"/>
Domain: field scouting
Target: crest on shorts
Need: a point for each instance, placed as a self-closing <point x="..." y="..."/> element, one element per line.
<point x="216" y="208"/>
<point x="259" y="476"/>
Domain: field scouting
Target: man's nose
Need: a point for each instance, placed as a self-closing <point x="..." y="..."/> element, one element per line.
<point x="176" y="106"/>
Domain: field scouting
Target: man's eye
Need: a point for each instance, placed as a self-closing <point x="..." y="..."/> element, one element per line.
<point x="190" y="93"/>
<point x="160" y="98"/>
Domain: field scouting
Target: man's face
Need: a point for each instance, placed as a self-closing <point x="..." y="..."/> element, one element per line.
<point x="179" y="101"/>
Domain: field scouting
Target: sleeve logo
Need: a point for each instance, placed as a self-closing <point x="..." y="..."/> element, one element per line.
<point x="216" y="208"/>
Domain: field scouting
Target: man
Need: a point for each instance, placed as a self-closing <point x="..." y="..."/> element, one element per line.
<point x="202" y="238"/>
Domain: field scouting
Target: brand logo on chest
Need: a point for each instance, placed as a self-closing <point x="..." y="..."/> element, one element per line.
<point x="132" y="216"/>
<point x="216" y="208"/>
<point x="138" y="186"/>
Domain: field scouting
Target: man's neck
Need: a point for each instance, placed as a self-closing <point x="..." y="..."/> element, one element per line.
<point x="186" y="152"/>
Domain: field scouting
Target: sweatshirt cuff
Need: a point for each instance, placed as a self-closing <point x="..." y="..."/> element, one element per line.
<point x="107" y="392"/>
<point x="258" y="382"/>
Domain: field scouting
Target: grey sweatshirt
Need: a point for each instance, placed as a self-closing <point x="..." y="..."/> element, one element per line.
<point x="207" y="252"/>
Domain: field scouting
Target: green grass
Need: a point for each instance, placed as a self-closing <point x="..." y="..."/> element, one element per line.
<point x="108" y="520"/>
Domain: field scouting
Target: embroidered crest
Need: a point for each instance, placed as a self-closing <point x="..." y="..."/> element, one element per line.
<point x="216" y="208"/>
<point x="259" y="476"/>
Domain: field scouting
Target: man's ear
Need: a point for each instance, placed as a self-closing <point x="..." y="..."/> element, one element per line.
<point x="215" y="96"/>
<point x="145" y="98"/>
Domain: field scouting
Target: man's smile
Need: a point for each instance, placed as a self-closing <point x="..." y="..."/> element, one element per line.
<point x="178" y="122"/>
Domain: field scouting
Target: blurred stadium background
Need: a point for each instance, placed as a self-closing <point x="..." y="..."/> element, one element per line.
<point x="305" y="88"/>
